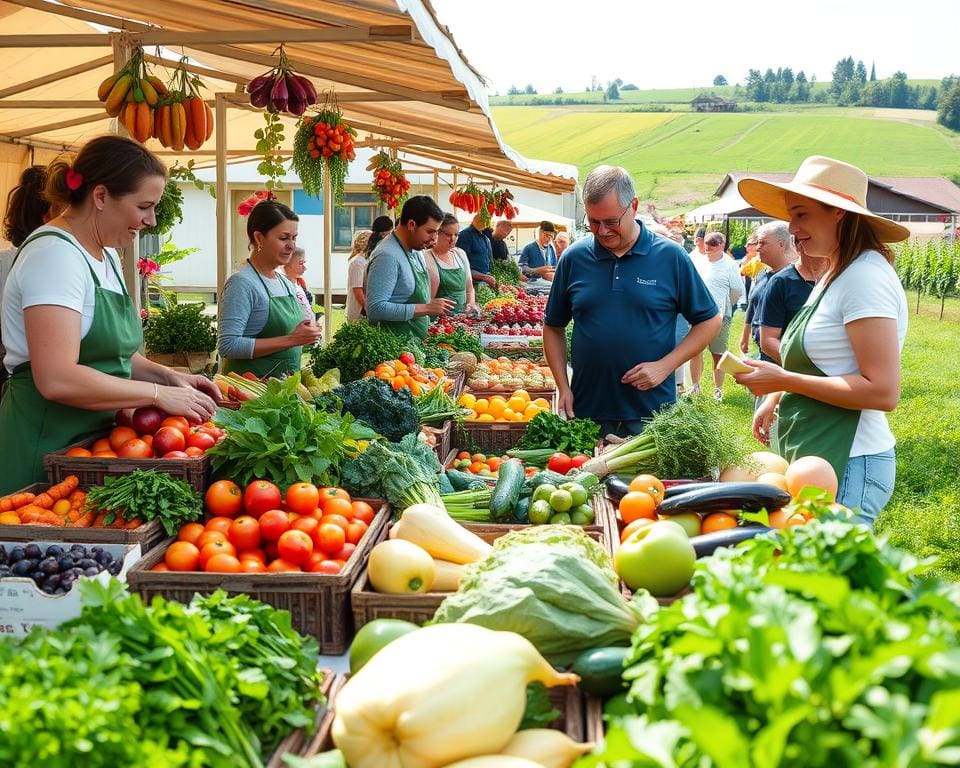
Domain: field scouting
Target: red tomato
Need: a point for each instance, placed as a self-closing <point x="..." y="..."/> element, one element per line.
<point x="209" y="536"/>
<point x="306" y="524"/>
<point x="168" y="439"/>
<point x="273" y="523"/>
<point x="182" y="556"/>
<point x="578" y="461"/>
<point x="222" y="563"/>
<point x="303" y="498"/>
<point x="363" y="512"/>
<point x="252" y="565"/>
<point x="332" y="493"/>
<point x="260" y="496"/>
<point x="192" y="452"/>
<point x="407" y="358"/>
<point x="175" y="455"/>
<point x="345" y="552"/>
<point x="559" y="463"/>
<point x="135" y="448"/>
<point x="295" y="547"/>
<point x="219" y="523"/>
<point x="225" y="498"/>
<point x="177" y="422"/>
<point x="325" y="566"/>
<point x="244" y="533"/>
<point x="355" y="531"/>
<point x="338" y="520"/>
<point x="252" y="554"/>
<point x="200" y="439"/>
<point x="338" y="506"/>
<point x="283" y="566"/>
<point x="217" y="548"/>
<point x="330" y="538"/>
<point x="191" y="532"/>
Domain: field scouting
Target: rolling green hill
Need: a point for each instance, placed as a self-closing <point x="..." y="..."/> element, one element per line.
<point x="678" y="159"/>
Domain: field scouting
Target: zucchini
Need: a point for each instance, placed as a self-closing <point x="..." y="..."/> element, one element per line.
<point x="709" y="542"/>
<point x="716" y="497"/>
<point x="601" y="670"/>
<point x="545" y="476"/>
<point x="520" y="511"/>
<point x="537" y="457"/>
<point x="466" y="481"/>
<point x="506" y="492"/>
<point x="617" y="487"/>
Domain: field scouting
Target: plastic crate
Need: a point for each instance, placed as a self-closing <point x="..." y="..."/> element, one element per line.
<point x="147" y="535"/>
<point x="92" y="470"/>
<point x="319" y="603"/>
<point x="368" y="604"/>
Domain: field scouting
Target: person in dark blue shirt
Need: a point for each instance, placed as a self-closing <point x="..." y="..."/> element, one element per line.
<point x="538" y="258"/>
<point x="479" y="252"/>
<point x="498" y="240"/>
<point x="623" y="287"/>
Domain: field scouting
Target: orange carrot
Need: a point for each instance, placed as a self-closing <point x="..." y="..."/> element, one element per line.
<point x="31" y="514"/>
<point x="56" y="492"/>
<point x="135" y="523"/>
<point x="15" y="501"/>
<point x="118" y="522"/>
<point x="85" y="520"/>
<point x="50" y="518"/>
<point x="98" y="520"/>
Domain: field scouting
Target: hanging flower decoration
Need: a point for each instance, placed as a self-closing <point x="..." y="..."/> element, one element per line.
<point x="389" y="181"/>
<point x="323" y="143"/>
<point x="147" y="267"/>
<point x="246" y="206"/>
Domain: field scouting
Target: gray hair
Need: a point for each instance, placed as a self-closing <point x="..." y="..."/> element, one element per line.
<point x="606" y="178"/>
<point x="298" y="252"/>
<point x="779" y="230"/>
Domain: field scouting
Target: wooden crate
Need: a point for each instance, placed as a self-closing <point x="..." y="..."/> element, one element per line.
<point x="368" y="604"/>
<point x="444" y="436"/>
<point x="319" y="603"/>
<point x="298" y="742"/>
<point x="147" y="535"/>
<point x="581" y="718"/>
<point x="489" y="437"/>
<point x="92" y="470"/>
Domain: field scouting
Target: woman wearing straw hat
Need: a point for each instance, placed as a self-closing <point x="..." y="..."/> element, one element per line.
<point x="841" y="353"/>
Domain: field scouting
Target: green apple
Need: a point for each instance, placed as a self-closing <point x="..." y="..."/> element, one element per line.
<point x="561" y="518"/>
<point x="657" y="557"/>
<point x="543" y="492"/>
<point x="577" y="492"/>
<point x="689" y="521"/>
<point x="561" y="501"/>
<point x="540" y="512"/>
<point x="582" y="515"/>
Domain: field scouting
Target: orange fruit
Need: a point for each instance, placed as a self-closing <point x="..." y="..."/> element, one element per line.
<point x="485" y="417"/>
<point x="783" y="518"/>
<point x="543" y="403"/>
<point x="481" y="405"/>
<point x="523" y="395"/>
<point x="637" y="504"/>
<point x="79" y="452"/>
<point x="648" y="484"/>
<point x="497" y="407"/>
<point x="718" y="521"/>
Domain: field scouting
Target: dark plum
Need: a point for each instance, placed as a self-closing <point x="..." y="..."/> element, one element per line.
<point x="92" y="571"/>
<point x="54" y="550"/>
<point x="53" y="580"/>
<point x="104" y="558"/>
<point x="21" y="568"/>
<point x="114" y="568"/>
<point x="32" y="551"/>
<point x="88" y="562"/>
<point x="17" y="553"/>
<point x="66" y="562"/>
<point x="49" y="565"/>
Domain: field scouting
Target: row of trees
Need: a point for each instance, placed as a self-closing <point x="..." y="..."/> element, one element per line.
<point x="932" y="267"/>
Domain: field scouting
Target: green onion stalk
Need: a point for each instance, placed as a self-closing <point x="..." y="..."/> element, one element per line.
<point x="633" y="456"/>
<point x="471" y="506"/>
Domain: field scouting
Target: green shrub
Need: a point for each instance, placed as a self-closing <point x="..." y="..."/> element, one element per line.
<point x="179" y="328"/>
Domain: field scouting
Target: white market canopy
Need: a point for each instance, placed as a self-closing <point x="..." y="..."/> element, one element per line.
<point x="397" y="75"/>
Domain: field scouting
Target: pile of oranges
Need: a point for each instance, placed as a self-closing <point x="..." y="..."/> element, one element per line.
<point x="406" y="373"/>
<point x="512" y="407"/>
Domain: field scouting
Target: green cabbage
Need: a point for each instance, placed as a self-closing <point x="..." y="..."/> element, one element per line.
<point x="553" y="585"/>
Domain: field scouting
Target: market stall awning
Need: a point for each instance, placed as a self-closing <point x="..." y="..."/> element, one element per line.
<point x="396" y="72"/>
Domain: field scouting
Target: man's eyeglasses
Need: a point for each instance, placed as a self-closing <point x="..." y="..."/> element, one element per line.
<point x="608" y="223"/>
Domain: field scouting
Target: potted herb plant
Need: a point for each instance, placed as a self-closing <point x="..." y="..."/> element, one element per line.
<point x="180" y="335"/>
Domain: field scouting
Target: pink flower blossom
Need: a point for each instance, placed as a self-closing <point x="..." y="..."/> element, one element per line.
<point x="147" y="267"/>
<point x="144" y="314"/>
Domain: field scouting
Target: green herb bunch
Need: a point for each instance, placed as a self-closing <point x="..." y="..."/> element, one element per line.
<point x="505" y="271"/>
<point x="280" y="438"/>
<point x="218" y="683"/>
<point x="818" y="645"/>
<point x="373" y="401"/>
<point x="483" y="293"/>
<point x="356" y="348"/>
<point x="547" y="430"/>
<point x="179" y="328"/>
<point x="461" y="340"/>
<point x="147" y="494"/>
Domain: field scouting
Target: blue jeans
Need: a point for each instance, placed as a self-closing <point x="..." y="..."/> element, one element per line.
<point x="867" y="484"/>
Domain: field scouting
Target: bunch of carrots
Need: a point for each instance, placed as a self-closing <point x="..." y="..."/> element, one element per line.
<point x="63" y="505"/>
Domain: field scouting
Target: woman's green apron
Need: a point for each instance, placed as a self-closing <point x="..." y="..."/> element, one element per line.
<point x="283" y="315"/>
<point x="417" y="326"/>
<point x="31" y="425"/>
<point x="453" y="283"/>
<point x="806" y="426"/>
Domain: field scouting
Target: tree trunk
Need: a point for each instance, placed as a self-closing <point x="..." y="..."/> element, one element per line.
<point x="918" y="301"/>
<point x="943" y="299"/>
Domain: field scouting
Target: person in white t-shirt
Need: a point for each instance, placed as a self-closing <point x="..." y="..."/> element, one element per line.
<point x="722" y="278"/>
<point x="357" y="274"/>
<point x="841" y="353"/>
<point x="69" y="327"/>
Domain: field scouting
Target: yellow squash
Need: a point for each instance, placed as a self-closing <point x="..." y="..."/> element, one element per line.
<point x="495" y="761"/>
<point x="398" y="567"/>
<point x="448" y="575"/>
<point x="437" y="695"/>
<point x="443" y="537"/>
<point x="546" y="747"/>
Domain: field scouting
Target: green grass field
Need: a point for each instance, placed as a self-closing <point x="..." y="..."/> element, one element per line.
<point x="678" y="159"/>
<point x="924" y="513"/>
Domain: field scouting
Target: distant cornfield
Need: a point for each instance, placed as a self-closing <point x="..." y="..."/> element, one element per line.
<point x="931" y="267"/>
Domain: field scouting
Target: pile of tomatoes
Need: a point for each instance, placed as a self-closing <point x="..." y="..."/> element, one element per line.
<point x="149" y="433"/>
<point x="259" y="530"/>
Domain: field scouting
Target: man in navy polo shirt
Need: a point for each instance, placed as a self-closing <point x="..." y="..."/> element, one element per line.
<point x="479" y="252"/>
<point x="623" y="287"/>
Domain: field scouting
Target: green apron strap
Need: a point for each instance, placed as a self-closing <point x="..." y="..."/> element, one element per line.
<point x="415" y="326"/>
<point x="283" y="315"/>
<point x="32" y="426"/>
<point x="806" y="426"/>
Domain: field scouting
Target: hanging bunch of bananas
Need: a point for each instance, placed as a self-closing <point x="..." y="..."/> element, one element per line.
<point x="174" y="114"/>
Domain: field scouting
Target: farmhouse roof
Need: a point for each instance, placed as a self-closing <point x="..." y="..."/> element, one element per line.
<point x="398" y="75"/>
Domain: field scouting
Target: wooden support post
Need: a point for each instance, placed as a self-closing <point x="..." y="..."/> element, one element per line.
<point x="328" y="213"/>
<point x="223" y="199"/>
<point x="436" y="187"/>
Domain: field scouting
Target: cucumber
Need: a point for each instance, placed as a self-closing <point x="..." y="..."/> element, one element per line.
<point x="506" y="492"/>
<point x="520" y="512"/>
<point x="601" y="670"/>
<point x="466" y="481"/>
<point x="545" y="476"/>
<point x="717" y="497"/>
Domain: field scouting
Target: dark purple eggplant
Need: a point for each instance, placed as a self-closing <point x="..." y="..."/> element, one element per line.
<point x="669" y="491"/>
<point x="279" y="94"/>
<point x="706" y="544"/>
<point x="617" y="487"/>
<point x="717" y="497"/>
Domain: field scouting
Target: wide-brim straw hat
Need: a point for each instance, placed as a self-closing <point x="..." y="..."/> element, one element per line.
<point x="825" y="180"/>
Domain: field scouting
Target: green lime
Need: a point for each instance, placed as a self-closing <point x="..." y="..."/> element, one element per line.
<point x="561" y="518"/>
<point x="372" y="637"/>
<point x="577" y="492"/>
<point x="561" y="500"/>
<point x="539" y="512"/>
<point x="543" y="492"/>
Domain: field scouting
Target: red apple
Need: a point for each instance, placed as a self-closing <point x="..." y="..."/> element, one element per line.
<point x="124" y="418"/>
<point x="201" y="440"/>
<point x="147" y="420"/>
<point x="168" y="439"/>
<point x="175" y="455"/>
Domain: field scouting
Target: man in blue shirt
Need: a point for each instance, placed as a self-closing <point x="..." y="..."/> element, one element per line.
<point x="479" y="251"/>
<point x="623" y="287"/>
<point x="538" y="258"/>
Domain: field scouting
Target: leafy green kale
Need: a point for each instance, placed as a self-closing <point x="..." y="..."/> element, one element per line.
<point x="374" y="402"/>
<point x="404" y="473"/>
<point x="356" y="347"/>
<point x="547" y="430"/>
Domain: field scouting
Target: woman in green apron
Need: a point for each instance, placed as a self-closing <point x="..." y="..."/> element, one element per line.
<point x="398" y="284"/>
<point x="262" y="328"/>
<point x="69" y="327"/>
<point x="449" y="269"/>
<point x="841" y="352"/>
